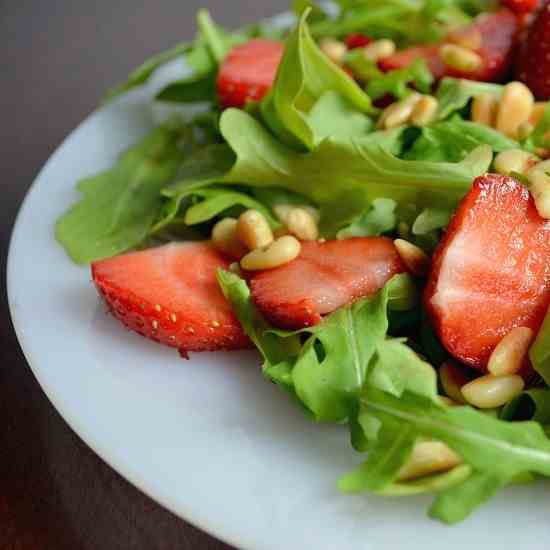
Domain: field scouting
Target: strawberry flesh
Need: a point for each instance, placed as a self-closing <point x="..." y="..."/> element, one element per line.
<point x="248" y="72"/>
<point x="324" y="277"/>
<point x="491" y="271"/>
<point x="534" y="60"/>
<point x="498" y="33"/>
<point x="521" y="7"/>
<point x="357" y="40"/>
<point x="170" y="294"/>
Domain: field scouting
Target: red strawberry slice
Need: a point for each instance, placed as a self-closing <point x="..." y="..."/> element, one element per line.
<point x="521" y="7"/>
<point x="170" y="294"/>
<point x="357" y="40"/>
<point x="491" y="271"/>
<point x="248" y="72"/>
<point x="324" y="277"/>
<point x="498" y="36"/>
<point x="534" y="62"/>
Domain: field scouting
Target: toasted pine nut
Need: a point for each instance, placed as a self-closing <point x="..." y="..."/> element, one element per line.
<point x="379" y="49"/>
<point x="253" y="230"/>
<point x="537" y="112"/>
<point x="281" y="232"/>
<point x="470" y="39"/>
<point x="224" y="238"/>
<point x="513" y="160"/>
<point x="428" y="457"/>
<point x="425" y="110"/>
<point x="509" y="353"/>
<point x="491" y="391"/>
<point x="279" y="252"/>
<point x="301" y="224"/>
<point x="452" y="380"/>
<point x="460" y="58"/>
<point x="484" y="109"/>
<point x="525" y="129"/>
<point x="283" y="210"/>
<point x="514" y="108"/>
<point x="414" y="258"/>
<point x="539" y="186"/>
<point x="234" y="267"/>
<point x="398" y="113"/>
<point x="333" y="49"/>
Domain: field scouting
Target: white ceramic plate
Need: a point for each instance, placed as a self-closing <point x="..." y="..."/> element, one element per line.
<point x="208" y="438"/>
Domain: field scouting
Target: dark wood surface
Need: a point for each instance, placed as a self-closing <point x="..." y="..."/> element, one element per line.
<point x="58" y="57"/>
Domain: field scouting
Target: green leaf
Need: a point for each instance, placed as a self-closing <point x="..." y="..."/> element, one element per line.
<point x="431" y="219"/>
<point x="191" y="89"/>
<point x="540" y="137"/>
<point x="304" y="76"/>
<point x="379" y="218"/>
<point x="532" y="404"/>
<point x="119" y="206"/>
<point x="397" y="83"/>
<point x="218" y="41"/>
<point x="143" y="73"/>
<point x="539" y="354"/>
<point x="344" y="176"/>
<point x="454" y="94"/>
<point x="363" y="69"/>
<point x="316" y="13"/>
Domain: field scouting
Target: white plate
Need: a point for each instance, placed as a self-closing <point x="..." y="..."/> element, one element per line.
<point x="208" y="438"/>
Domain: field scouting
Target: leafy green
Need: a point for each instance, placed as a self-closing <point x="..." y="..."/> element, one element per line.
<point x="431" y="219"/>
<point x="379" y="218"/>
<point x="540" y="350"/>
<point x="304" y="76"/>
<point x="118" y="206"/>
<point x="397" y="82"/>
<point x="454" y="94"/>
<point x="540" y="137"/>
<point x="532" y="404"/>
<point x="195" y="88"/>
<point x="218" y="41"/>
<point x="452" y="140"/>
<point x="344" y="176"/>
<point x="316" y="13"/>
<point x="363" y="69"/>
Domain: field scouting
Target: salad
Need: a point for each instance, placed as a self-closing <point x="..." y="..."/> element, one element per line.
<point x="363" y="195"/>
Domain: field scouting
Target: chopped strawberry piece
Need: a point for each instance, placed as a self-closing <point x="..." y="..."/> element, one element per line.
<point x="491" y="271"/>
<point x="498" y="33"/>
<point x="534" y="61"/>
<point x="324" y="277"/>
<point x="248" y="72"/>
<point x="170" y="294"/>
<point x="521" y="6"/>
<point x="357" y="40"/>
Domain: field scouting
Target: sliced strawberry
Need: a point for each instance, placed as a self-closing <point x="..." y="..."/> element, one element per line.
<point x="170" y="294"/>
<point x="248" y="72"/>
<point x="498" y="36"/>
<point x="491" y="271"/>
<point x="534" y="61"/>
<point x="521" y="7"/>
<point x="357" y="40"/>
<point x="324" y="277"/>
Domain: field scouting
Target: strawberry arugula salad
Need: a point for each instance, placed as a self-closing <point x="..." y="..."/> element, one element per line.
<point x="363" y="195"/>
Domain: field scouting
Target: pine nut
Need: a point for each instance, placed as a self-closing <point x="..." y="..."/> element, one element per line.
<point x="279" y="252"/>
<point x="414" y="258"/>
<point x="447" y="401"/>
<point x="424" y="111"/>
<point x="537" y="112"/>
<point x="428" y="457"/>
<point x="510" y="352"/>
<point x="514" y="109"/>
<point x="460" y="59"/>
<point x="469" y="39"/>
<point x="525" y="129"/>
<point x="379" y="49"/>
<point x="224" y="238"/>
<point x="301" y="224"/>
<point x="491" y="391"/>
<point x="333" y="49"/>
<point x="253" y="230"/>
<point x="484" y="109"/>
<point x="539" y="186"/>
<point x="283" y="210"/>
<point x="513" y="160"/>
<point x="398" y="113"/>
<point x="452" y="380"/>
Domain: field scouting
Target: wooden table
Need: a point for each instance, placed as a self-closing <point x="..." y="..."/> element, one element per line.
<point x="58" y="58"/>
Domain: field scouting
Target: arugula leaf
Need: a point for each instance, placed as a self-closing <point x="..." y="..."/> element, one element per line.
<point x="452" y="140"/>
<point x="364" y="69"/>
<point x="195" y="88"/>
<point x="304" y="75"/>
<point x="379" y="218"/>
<point x="454" y="94"/>
<point x="431" y="219"/>
<point x="540" y="137"/>
<point x="344" y="176"/>
<point x="396" y="82"/>
<point x="119" y="206"/>
<point x="217" y="40"/>
<point x="316" y="13"/>
<point x="539" y="354"/>
<point x="532" y="404"/>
